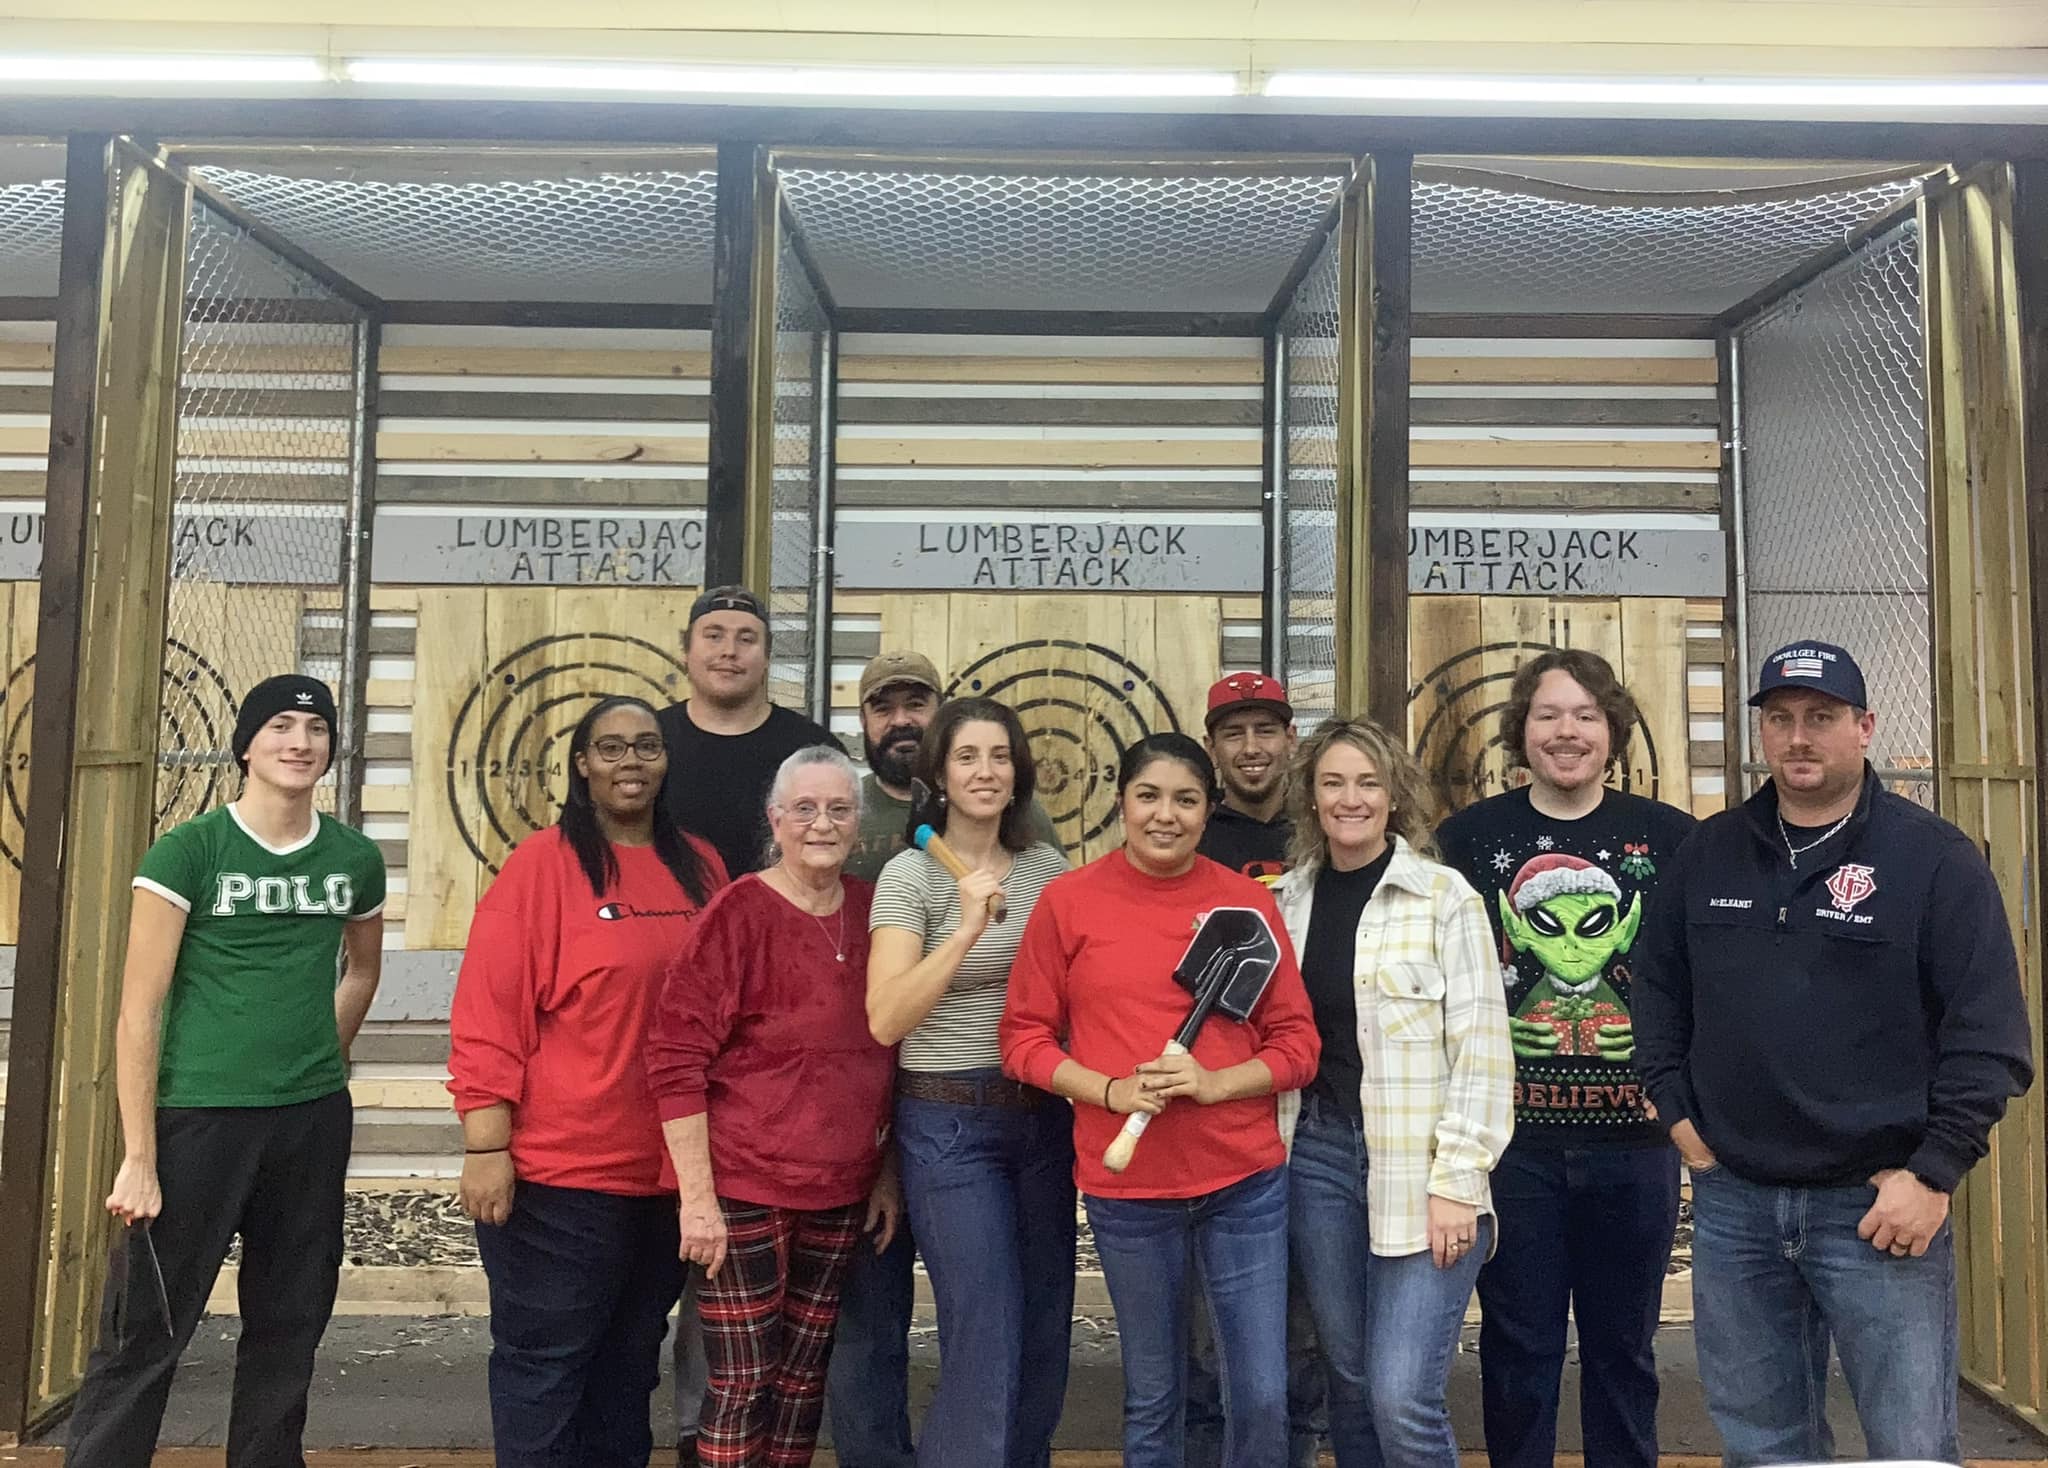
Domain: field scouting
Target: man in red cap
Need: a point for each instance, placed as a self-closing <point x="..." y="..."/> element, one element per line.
<point x="1251" y="738"/>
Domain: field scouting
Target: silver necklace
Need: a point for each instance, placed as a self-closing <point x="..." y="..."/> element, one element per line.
<point x="1795" y="852"/>
<point x="838" y="943"/>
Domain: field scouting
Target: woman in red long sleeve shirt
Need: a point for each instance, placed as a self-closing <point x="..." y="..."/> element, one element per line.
<point x="774" y="1100"/>
<point x="1092" y="1004"/>
<point x="563" y="1171"/>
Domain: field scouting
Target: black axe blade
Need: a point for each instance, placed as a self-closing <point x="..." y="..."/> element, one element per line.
<point x="1233" y="955"/>
<point x="925" y="810"/>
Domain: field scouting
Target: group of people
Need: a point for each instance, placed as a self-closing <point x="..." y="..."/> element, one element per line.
<point x="723" y="1037"/>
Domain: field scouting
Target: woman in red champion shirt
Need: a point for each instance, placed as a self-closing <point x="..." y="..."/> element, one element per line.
<point x="1092" y="1003"/>
<point x="774" y="1101"/>
<point x="563" y="1164"/>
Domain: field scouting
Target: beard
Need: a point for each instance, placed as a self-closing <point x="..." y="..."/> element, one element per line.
<point x="894" y="760"/>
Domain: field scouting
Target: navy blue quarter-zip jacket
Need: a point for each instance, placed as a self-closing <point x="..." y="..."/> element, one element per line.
<point x="1821" y="1024"/>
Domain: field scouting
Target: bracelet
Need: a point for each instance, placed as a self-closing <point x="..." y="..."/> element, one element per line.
<point x="483" y="1151"/>
<point x="1106" y="1085"/>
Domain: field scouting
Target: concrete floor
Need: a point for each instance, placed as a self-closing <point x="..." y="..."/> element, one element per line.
<point x="409" y="1382"/>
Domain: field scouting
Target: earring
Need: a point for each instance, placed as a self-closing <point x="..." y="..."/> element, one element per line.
<point x="942" y="797"/>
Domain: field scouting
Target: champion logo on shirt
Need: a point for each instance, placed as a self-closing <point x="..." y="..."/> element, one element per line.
<point x="613" y="912"/>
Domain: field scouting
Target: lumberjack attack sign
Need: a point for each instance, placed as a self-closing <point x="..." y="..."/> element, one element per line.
<point x="1195" y="552"/>
<point x="1563" y="556"/>
<point x="251" y="545"/>
<point x="539" y="548"/>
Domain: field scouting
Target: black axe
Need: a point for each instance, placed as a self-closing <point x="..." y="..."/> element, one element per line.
<point x="922" y="832"/>
<point x="1227" y="965"/>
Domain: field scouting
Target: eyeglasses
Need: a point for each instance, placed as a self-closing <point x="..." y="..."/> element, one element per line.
<point x="806" y="812"/>
<point x="611" y="749"/>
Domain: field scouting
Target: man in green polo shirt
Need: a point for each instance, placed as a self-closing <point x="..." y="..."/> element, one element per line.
<point x="254" y="949"/>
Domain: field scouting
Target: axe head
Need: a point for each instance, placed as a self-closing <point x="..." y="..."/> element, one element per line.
<point x="1232" y="956"/>
<point x="925" y="810"/>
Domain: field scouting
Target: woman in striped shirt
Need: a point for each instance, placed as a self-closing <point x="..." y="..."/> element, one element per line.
<point x="987" y="1162"/>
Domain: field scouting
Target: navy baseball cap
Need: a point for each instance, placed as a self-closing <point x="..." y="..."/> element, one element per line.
<point x="1821" y="666"/>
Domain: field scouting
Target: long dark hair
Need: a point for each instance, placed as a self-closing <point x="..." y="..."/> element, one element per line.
<point x="1168" y="744"/>
<point x="579" y="818"/>
<point x="1014" y="831"/>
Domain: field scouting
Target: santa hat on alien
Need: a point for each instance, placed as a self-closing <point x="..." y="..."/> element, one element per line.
<point x="1558" y="874"/>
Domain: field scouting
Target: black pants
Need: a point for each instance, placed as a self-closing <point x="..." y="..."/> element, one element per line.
<point x="581" y="1285"/>
<point x="274" y="1175"/>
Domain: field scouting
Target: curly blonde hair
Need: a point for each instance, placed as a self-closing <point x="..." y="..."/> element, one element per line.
<point x="1410" y="814"/>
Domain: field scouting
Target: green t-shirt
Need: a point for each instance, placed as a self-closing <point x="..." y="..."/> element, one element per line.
<point x="881" y="829"/>
<point x="250" y="1017"/>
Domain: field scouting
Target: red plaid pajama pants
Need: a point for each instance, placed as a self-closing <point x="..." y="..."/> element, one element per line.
<point x="768" y="1321"/>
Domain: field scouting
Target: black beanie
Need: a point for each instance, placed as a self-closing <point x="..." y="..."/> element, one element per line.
<point x="286" y="693"/>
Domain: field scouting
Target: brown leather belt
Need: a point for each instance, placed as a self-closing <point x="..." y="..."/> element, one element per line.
<point x="969" y="1090"/>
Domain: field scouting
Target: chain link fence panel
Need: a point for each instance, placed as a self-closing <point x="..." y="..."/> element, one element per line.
<point x="796" y="393"/>
<point x="583" y="233"/>
<point x="267" y="398"/>
<point x="1495" y="249"/>
<point x="1832" y="470"/>
<point x="31" y="233"/>
<point x="1309" y="330"/>
<point x="954" y="238"/>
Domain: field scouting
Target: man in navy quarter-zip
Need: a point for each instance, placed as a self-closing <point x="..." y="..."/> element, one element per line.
<point x="1829" y="1021"/>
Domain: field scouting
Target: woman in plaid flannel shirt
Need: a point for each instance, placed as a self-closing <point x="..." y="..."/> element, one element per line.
<point x="1392" y="1143"/>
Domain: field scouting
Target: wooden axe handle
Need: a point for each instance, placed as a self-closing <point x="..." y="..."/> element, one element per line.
<point x="947" y="858"/>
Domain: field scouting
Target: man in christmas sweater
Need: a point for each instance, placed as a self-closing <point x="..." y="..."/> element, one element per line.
<point x="1586" y="1196"/>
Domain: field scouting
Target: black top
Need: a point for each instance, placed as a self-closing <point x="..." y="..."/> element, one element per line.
<point x="1329" y="967"/>
<point x="1823" y="1022"/>
<point x="1249" y="847"/>
<point x="718" y="783"/>
<point x="1567" y="901"/>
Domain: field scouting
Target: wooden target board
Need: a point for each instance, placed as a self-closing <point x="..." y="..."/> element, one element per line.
<point x="1463" y="653"/>
<point x="502" y="675"/>
<point x="1088" y="676"/>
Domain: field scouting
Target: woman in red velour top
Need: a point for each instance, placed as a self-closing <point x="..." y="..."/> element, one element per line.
<point x="563" y="1164"/>
<point x="774" y="1100"/>
<point x="1092" y="1005"/>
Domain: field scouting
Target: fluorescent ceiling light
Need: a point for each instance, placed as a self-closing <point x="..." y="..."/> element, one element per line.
<point x="182" y="70"/>
<point x="802" y="81"/>
<point x="1875" y="95"/>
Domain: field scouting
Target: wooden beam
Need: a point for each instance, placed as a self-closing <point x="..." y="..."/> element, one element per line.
<point x="98" y="785"/>
<point x="359" y="530"/>
<point x="1588" y="326"/>
<point x="759" y="560"/>
<point x="949" y="321"/>
<point x="734" y="283"/>
<point x="1389" y="276"/>
<point x="1273" y="507"/>
<point x="32" y="1031"/>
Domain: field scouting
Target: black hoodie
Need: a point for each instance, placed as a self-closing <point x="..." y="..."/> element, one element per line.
<point x="1819" y="1024"/>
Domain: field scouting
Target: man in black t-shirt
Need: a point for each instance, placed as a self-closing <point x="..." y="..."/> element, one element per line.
<point x="1587" y="1192"/>
<point x="1251" y="739"/>
<point x="725" y="743"/>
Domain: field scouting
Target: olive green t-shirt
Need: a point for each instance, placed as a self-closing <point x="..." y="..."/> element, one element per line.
<point x="250" y="1017"/>
<point x="882" y="818"/>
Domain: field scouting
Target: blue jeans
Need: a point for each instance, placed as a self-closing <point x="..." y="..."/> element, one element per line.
<point x="581" y="1284"/>
<point x="1328" y="1234"/>
<point x="1413" y="1314"/>
<point x="867" y="1387"/>
<point x="1777" y="1274"/>
<point x="1234" y="1241"/>
<point x="1304" y="1383"/>
<point x="1589" y="1232"/>
<point x="991" y="1195"/>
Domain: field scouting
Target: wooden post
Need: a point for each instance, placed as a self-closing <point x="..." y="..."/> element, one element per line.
<point x="100" y="640"/>
<point x="1372" y="444"/>
<point x="735" y="273"/>
<point x="1982" y="296"/>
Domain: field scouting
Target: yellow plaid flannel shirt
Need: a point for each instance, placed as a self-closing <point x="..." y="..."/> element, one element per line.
<point x="1433" y="1036"/>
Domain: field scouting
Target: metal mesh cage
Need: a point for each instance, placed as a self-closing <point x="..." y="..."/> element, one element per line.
<point x="266" y="413"/>
<point x="1309" y="335"/>
<point x="955" y="238"/>
<point x="796" y="391"/>
<point x="31" y="229"/>
<point x="1496" y="249"/>
<point x="1832" y="463"/>
<point x="584" y="232"/>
